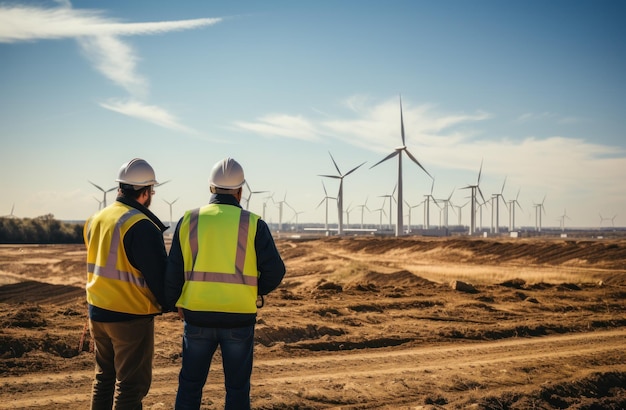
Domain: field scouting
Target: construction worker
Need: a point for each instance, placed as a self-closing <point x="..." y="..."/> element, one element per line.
<point x="221" y="259"/>
<point x="126" y="261"/>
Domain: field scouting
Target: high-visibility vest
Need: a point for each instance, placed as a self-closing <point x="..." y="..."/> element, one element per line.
<point x="112" y="282"/>
<point x="217" y="243"/>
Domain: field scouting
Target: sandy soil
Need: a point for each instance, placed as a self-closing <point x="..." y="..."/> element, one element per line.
<point x="362" y="323"/>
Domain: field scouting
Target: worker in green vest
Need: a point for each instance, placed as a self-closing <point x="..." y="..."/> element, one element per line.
<point x="221" y="259"/>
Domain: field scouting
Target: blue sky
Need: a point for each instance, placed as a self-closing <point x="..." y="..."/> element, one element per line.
<point x="535" y="90"/>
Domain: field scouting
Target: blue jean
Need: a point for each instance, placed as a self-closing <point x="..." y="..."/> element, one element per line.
<point x="199" y="345"/>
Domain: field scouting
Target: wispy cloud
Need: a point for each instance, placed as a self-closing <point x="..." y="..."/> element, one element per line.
<point x="282" y="125"/>
<point x="100" y="39"/>
<point x="149" y="113"/>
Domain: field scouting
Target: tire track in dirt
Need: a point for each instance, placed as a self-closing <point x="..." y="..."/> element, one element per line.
<point x="282" y="377"/>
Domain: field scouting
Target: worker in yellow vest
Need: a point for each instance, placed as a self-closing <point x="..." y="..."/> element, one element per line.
<point x="126" y="261"/>
<point x="221" y="258"/>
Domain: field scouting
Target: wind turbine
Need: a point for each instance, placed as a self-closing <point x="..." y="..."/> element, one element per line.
<point x="495" y="208"/>
<point x="325" y="199"/>
<point x="474" y="188"/>
<point x="446" y="207"/>
<point x="410" y="209"/>
<point x="512" y="204"/>
<point x="295" y="215"/>
<point x="170" y="204"/>
<point x="363" y="208"/>
<point x="104" y="192"/>
<point x="250" y="192"/>
<point x="460" y="207"/>
<point x="562" y="218"/>
<point x="270" y="196"/>
<point x="99" y="203"/>
<point x="11" y="215"/>
<point x="538" y="209"/>
<point x="398" y="151"/>
<point x="280" y="211"/>
<point x="340" y="177"/>
<point x="391" y="199"/>
<point x="427" y="199"/>
<point x="381" y="210"/>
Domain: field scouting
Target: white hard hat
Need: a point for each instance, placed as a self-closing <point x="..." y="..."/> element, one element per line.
<point x="138" y="173"/>
<point x="227" y="174"/>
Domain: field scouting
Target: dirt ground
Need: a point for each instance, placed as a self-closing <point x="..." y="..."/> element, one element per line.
<point x="361" y="323"/>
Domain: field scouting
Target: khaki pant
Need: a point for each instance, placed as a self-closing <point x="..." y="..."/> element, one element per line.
<point x="124" y="352"/>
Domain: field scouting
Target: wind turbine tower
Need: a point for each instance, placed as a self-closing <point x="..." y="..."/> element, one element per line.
<point x="446" y="207"/>
<point x="427" y="199"/>
<point x="325" y="200"/>
<point x="391" y="199"/>
<point x="280" y="212"/>
<point x="495" y="208"/>
<point x="473" y="201"/>
<point x="398" y="151"/>
<point x="562" y="218"/>
<point x="512" y="204"/>
<point x="363" y="208"/>
<point x="538" y="210"/>
<point x="340" y="177"/>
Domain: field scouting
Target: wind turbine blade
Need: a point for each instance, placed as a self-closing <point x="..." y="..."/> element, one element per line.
<point x="97" y="186"/>
<point x="330" y="176"/>
<point x="402" y="123"/>
<point x="333" y="159"/>
<point x="353" y="169"/>
<point x="480" y="172"/>
<point x="417" y="162"/>
<point x="393" y="154"/>
<point x="481" y="194"/>
<point x="324" y="186"/>
<point x="162" y="183"/>
<point x="502" y="190"/>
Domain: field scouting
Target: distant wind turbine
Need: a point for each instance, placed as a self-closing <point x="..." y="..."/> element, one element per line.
<point x="11" y="215"/>
<point x="539" y="208"/>
<point x="250" y="193"/>
<point x="391" y="199"/>
<point x="363" y="208"/>
<point x="474" y="190"/>
<point x="446" y="207"/>
<point x="411" y="209"/>
<point x="398" y="152"/>
<point x="104" y="192"/>
<point x="562" y="219"/>
<point x="99" y="203"/>
<point x="325" y="200"/>
<point x="381" y="211"/>
<point x="170" y="204"/>
<point x="495" y="208"/>
<point x="340" y="177"/>
<point x="280" y="211"/>
<point x="427" y="199"/>
<point x="512" y="204"/>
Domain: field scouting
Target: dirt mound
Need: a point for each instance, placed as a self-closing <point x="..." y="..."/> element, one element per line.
<point x="399" y="278"/>
<point x="39" y="292"/>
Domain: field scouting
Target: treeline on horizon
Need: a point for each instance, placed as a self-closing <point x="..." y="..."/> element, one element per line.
<point x="40" y="230"/>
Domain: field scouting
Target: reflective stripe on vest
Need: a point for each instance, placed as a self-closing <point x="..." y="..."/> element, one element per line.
<point x="240" y="258"/>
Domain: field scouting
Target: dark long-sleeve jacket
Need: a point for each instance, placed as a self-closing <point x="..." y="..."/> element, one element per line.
<point x="146" y="251"/>
<point x="269" y="265"/>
